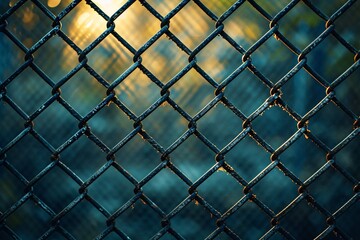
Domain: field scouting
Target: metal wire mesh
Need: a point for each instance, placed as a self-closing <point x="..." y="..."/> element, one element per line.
<point x="183" y="119"/>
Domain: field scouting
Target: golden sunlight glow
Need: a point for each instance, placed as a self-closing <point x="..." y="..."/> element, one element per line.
<point x="87" y="24"/>
<point x="53" y="3"/>
<point x="191" y="25"/>
<point x="109" y="6"/>
<point x="85" y="20"/>
<point x="136" y="25"/>
<point x="28" y="16"/>
<point x="86" y="27"/>
<point x="83" y="25"/>
<point x="12" y="3"/>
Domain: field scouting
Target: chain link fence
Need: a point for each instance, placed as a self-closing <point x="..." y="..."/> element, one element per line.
<point x="178" y="119"/>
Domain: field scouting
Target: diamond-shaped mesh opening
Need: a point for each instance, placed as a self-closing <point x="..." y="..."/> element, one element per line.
<point x="83" y="92"/>
<point x="28" y="156"/>
<point x="193" y="158"/>
<point x="66" y="58"/>
<point x="243" y="30"/>
<point x="275" y="126"/>
<point x="32" y="229"/>
<point x="29" y="24"/>
<point x="139" y="165"/>
<point x="278" y="53"/>
<point x="164" y="59"/>
<point x="136" y="223"/>
<point x="339" y="60"/>
<point x="165" y="182"/>
<point x="111" y="190"/>
<point x="174" y="123"/>
<point x="219" y="59"/>
<point x="110" y="58"/>
<point x="91" y="155"/>
<point x="275" y="183"/>
<point x="302" y="86"/>
<point x="247" y="225"/>
<point x="246" y="92"/>
<point x="137" y="30"/>
<point x="312" y="158"/>
<point x="340" y="121"/>
<point x="301" y="25"/>
<point x="56" y="189"/>
<point x="192" y="92"/>
<point x="248" y="158"/>
<point x="306" y="222"/>
<point x="229" y="191"/>
<point x="191" y="25"/>
<point x="198" y="222"/>
<point x="58" y="118"/>
<point x="119" y="126"/>
<point x="86" y="217"/>
<point x="29" y="91"/>
<point x="83" y="25"/>
<point x="218" y="131"/>
<point x="137" y="92"/>
<point x="329" y="186"/>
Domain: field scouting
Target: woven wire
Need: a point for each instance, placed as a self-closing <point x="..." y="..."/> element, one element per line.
<point x="111" y="187"/>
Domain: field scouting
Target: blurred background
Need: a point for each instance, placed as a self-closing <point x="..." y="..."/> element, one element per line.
<point x="192" y="92"/>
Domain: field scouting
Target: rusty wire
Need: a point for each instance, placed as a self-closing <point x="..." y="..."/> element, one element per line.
<point x="220" y="97"/>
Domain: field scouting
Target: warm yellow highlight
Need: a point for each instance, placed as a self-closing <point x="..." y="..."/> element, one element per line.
<point x="28" y="16"/>
<point x="12" y="3"/>
<point x="53" y="3"/>
<point x="87" y="26"/>
<point x="109" y="6"/>
<point x="163" y="59"/>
